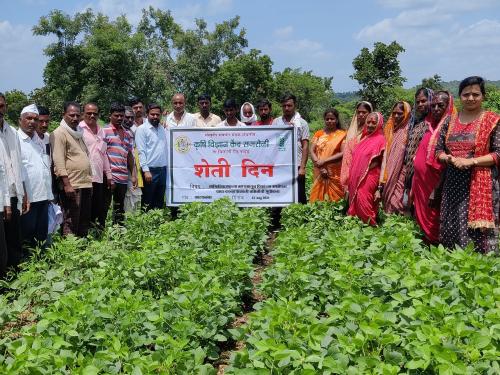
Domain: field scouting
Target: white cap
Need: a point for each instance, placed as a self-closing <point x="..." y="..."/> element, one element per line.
<point x="30" y="109"/>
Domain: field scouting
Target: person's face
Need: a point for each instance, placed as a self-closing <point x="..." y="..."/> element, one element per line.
<point x="178" y="103"/>
<point x="72" y="116"/>
<point x="247" y="111"/>
<point x="264" y="112"/>
<point x="90" y="114"/>
<point x="230" y="113"/>
<point x="361" y="113"/>
<point x="138" y="110"/>
<point x="398" y="114"/>
<point x="204" y="106"/>
<point x="154" y="116"/>
<point x="471" y="98"/>
<point x="116" y="118"/>
<point x="43" y="124"/>
<point x="331" y="121"/>
<point x="28" y="123"/>
<point x="288" y="108"/>
<point x="438" y="107"/>
<point x="421" y="103"/>
<point x="371" y="123"/>
<point x="128" y="119"/>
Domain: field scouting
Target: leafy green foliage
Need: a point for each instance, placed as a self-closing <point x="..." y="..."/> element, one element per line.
<point x="435" y="82"/>
<point x="377" y="72"/>
<point x="16" y="101"/>
<point x="153" y="297"/>
<point x="345" y="298"/>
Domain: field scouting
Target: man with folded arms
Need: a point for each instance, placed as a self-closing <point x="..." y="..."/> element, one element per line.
<point x="73" y="169"/>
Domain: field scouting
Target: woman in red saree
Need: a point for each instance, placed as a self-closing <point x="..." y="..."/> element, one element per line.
<point x="364" y="172"/>
<point x="470" y="148"/>
<point x="392" y="175"/>
<point x="427" y="170"/>
<point x="362" y="110"/>
<point x="326" y="152"/>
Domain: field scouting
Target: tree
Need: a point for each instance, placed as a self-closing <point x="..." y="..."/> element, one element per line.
<point x="435" y="82"/>
<point x="378" y="72"/>
<point x="16" y="101"/>
<point x="247" y="77"/>
<point x="314" y="94"/>
<point x="492" y="101"/>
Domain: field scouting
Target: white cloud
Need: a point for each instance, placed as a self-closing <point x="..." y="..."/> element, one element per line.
<point x="283" y="32"/>
<point x="450" y="6"/>
<point x="22" y="60"/>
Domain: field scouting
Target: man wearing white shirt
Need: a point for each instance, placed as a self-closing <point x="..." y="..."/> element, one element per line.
<point x="230" y="109"/>
<point x="19" y="203"/>
<point x="151" y="143"/>
<point x="36" y="165"/>
<point x="4" y="210"/>
<point x="179" y="117"/>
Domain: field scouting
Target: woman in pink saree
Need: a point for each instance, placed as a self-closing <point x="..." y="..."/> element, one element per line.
<point x="364" y="172"/>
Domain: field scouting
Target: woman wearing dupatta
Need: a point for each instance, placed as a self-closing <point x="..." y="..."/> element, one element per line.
<point x="392" y="176"/>
<point x="362" y="110"/>
<point x="428" y="171"/>
<point x="364" y="172"/>
<point x="470" y="147"/>
<point x="326" y="154"/>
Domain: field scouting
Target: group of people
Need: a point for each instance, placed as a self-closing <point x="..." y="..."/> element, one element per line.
<point x="85" y="168"/>
<point x="430" y="161"/>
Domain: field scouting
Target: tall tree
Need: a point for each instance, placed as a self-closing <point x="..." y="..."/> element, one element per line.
<point x="377" y="72"/>
<point x="314" y="93"/>
<point x="435" y="82"/>
<point x="16" y="101"/>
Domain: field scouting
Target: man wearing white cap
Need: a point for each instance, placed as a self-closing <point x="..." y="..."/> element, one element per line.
<point x="36" y="167"/>
<point x="17" y="194"/>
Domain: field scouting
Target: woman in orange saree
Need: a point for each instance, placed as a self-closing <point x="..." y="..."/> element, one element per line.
<point x="326" y="152"/>
<point x="364" y="173"/>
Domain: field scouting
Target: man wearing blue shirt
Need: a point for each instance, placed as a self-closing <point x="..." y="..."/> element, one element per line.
<point x="151" y="142"/>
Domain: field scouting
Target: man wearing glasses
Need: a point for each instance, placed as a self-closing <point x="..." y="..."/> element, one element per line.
<point x="93" y="136"/>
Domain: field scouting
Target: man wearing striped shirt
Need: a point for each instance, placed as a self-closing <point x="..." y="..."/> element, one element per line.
<point x="120" y="146"/>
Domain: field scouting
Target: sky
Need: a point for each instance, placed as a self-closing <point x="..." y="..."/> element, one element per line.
<point x="452" y="38"/>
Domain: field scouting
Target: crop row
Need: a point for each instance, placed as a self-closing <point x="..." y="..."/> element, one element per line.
<point x="155" y="296"/>
<point x="345" y="298"/>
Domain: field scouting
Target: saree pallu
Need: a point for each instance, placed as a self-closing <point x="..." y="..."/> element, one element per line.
<point x="346" y="162"/>
<point x="392" y="196"/>
<point x="325" y="146"/>
<point x="426" y="178"/>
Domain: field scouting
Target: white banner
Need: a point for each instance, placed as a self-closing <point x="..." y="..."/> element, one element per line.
<point x="252" y="165"/>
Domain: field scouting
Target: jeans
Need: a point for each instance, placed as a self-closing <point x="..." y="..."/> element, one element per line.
<point x="153" y="194"/>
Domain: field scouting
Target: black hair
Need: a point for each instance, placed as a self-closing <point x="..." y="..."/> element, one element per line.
<point x="335" y="113"/>
<point x="365" y="105"/>
<point x="473" y="80"/>
<point x="205" y="97"/>
<point x="134" y="101"/>
<point x="152" y="106"/>
<point x="128" y="109"/>
<point x="71" y="104"/>
<point x="2" y="95"/>
<point x="422" y="90"/>
<point x="262" y="103"/>
<point x="43" y="111"/>
<point x="230" y="103"/>
<point x="116" y="107"/>
<point x="286" y="97"/>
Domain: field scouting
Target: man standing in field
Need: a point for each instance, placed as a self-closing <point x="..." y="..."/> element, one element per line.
<point x="42" y="128"/>
<point x="179" y="117"/>
<point x="134" y="193"/>
<point x="151" y="142"/>
<point x="264" y="108"/>
<point x="36" y="164"/>
<point x="73" y="169"/>
<point x="17" y="197"/>
<point x="120" y="146"/>
<point x="205" y="118"/>
<point x="292" y="118"/>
